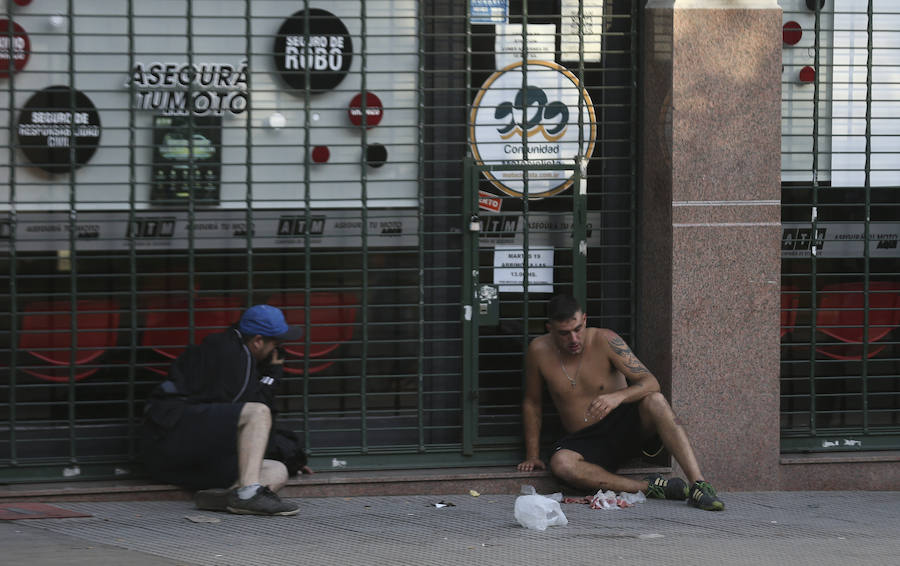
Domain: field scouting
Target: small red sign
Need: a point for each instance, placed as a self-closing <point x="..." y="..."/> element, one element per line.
<point x="16" y="48"/>
<point x="487" y="201"/>
<point x="320" y="154"/>
<point x="791" y="33"/>
<point x="807" y="74"/>
<point x="374" y="110"/>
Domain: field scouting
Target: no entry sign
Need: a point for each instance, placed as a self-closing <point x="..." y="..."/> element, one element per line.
<point x="373" y="113"/>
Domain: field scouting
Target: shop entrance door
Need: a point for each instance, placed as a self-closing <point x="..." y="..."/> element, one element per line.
<point x="518" y="251"/>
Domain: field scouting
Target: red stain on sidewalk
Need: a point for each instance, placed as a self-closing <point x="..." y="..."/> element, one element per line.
<point x="13" y="511"/>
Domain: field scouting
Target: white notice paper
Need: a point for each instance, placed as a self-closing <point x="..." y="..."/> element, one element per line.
<point x="509" y="271"/>
<point x="592" y="28"/>
<point x="541" y="42"/>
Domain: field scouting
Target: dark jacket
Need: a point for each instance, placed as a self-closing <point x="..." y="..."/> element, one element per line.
<point x="218" y="370"/>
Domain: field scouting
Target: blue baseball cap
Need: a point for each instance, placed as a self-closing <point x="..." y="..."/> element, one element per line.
<point x="268" y="321"/>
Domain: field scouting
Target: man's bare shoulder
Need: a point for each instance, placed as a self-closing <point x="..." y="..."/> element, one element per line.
<point x="539" y="348"/>
<point x="599" y="338"/>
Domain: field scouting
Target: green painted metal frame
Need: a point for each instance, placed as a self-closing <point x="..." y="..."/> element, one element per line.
<point x="75" y="464"/>
<point x="471" y="229"/>
<point x="817" y="435"/>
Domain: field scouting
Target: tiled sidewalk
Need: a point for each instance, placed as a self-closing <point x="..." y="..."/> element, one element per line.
<point x="815" y="528"/>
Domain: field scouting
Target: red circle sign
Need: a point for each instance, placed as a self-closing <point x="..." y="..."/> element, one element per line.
<point x="374" y="110"/>
<point x="320" y="154"/>
<point x="18" y="51"/>
<point x="791" y="33"/>
<point x="807" y="74"/>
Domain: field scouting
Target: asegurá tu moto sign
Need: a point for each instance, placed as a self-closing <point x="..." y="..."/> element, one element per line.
<point x="191" y="88"/>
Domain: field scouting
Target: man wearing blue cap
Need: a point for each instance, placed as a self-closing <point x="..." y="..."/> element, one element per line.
<point x="207" y="426"/>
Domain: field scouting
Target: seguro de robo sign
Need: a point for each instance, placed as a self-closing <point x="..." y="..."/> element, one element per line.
<point x="532" y="114"/>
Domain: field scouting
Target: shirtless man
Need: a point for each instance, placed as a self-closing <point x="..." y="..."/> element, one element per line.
<point x="609" y="404"/>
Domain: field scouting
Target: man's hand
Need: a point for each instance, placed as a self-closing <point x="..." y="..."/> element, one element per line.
<point x="532" y="464"/>
<point x="601" y="406"/>
<point x="277" y="356"/>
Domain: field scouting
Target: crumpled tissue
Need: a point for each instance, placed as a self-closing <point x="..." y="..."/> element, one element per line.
<point x="609" y="499"/>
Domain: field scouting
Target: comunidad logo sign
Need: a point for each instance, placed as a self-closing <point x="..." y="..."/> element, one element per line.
<point x="534" y="114"/>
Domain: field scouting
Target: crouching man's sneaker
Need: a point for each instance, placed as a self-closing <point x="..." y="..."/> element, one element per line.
<point x="703" y="496"/>
<point x="212" y="499"/>
<point x="263" y="502"/>
<point x="659" y="487"/>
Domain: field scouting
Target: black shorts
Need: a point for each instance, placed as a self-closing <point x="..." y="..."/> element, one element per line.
<point x="611" y="442"/>
<point x="199" y="451"/>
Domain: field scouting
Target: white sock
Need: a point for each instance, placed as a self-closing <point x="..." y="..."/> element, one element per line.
<point x="248" y="491"/>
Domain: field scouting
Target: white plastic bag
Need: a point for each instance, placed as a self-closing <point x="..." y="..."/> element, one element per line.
<point x="537" y="512"/>
<point x="529" y="490"/>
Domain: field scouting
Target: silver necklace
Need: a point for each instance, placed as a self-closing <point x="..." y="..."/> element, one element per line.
<point x="563" y="366"/>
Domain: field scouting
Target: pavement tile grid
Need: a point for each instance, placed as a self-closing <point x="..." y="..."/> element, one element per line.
<point x="817" y="528"/>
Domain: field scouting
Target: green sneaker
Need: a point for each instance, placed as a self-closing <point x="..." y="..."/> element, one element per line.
<point x="703" y="496"/>
<point x="659" y="487"/>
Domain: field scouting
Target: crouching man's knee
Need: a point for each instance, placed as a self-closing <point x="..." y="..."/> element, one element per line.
<point x="273" y="474"/>
<point x="257" y="413"/>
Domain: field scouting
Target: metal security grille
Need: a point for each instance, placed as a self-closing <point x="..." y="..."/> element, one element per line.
<point x="169" y="163"/>
<point x="840" y="370"/>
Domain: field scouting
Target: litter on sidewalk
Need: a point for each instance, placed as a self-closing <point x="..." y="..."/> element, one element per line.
<point x="537" y="512"/>
<point x="609" y="500"/>
<point x="202" y="519"/>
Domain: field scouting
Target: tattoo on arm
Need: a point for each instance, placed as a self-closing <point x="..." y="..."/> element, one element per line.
<point x="629" y="359"/>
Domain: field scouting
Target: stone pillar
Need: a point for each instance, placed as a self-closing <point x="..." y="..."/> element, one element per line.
<point x="709" y="238"/>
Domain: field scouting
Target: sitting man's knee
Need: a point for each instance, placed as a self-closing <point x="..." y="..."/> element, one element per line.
<point x="562" y="463"/>
<point x="656" y="402"/>
<point x="655" y="409"/>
